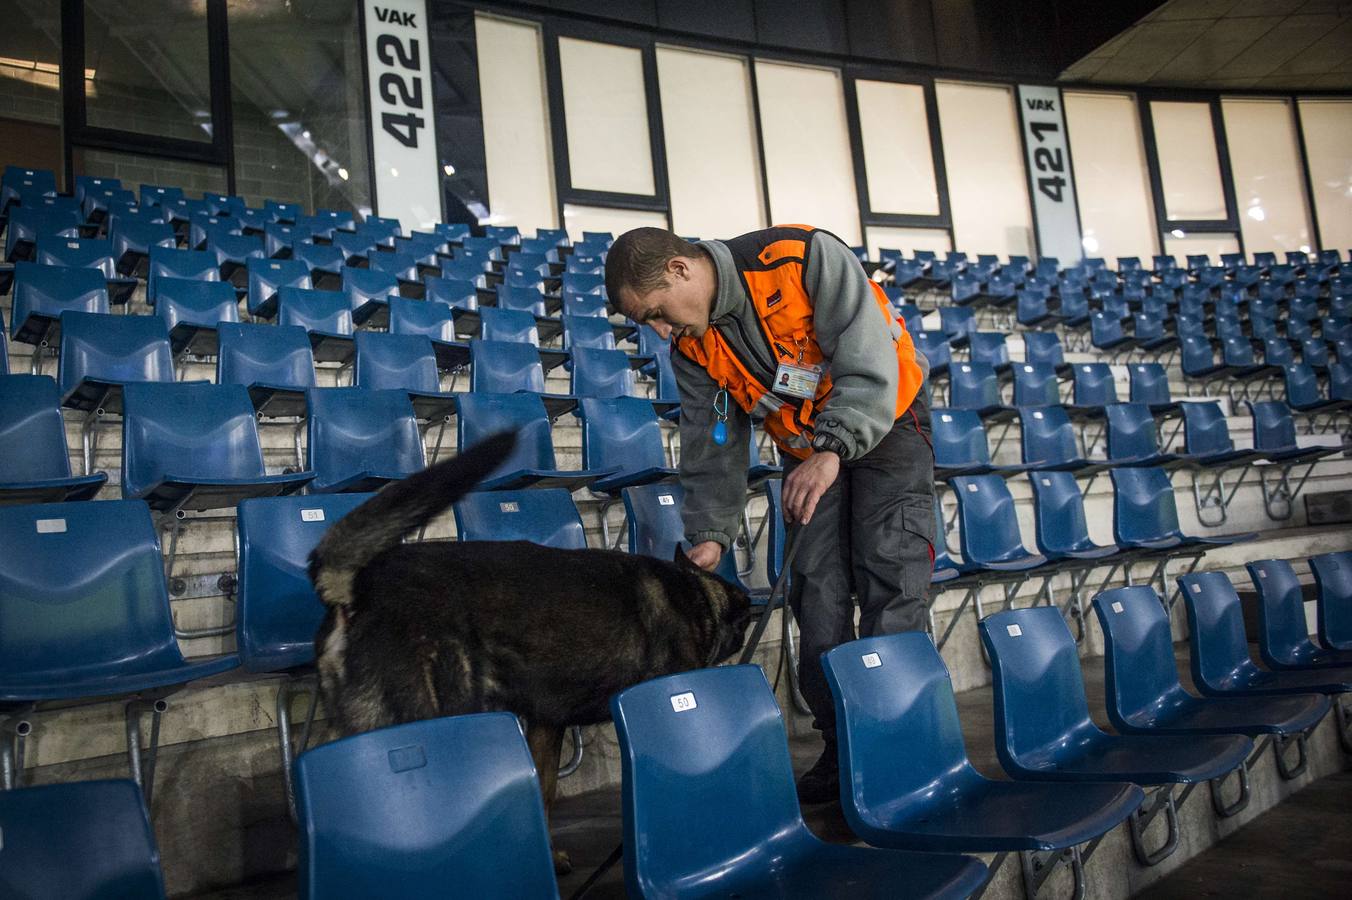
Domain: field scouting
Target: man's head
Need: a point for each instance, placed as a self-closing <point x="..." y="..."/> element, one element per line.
<point x="656" y="278"/>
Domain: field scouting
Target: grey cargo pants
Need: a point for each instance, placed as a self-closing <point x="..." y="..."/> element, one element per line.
<point x="871" y="535"/>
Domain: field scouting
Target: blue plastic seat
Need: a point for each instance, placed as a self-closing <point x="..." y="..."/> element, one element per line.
<point x="354" y="247"/>
<point x="1048" y="442"/>
<point x="1283" y="638"/>
<point x="622" y="435"/>
<point x="1043" y="731"/>
<point x="1044" y="347"/>
<point x="324" y="261"/>
<point x="403" y="362"/>
<point x="101" y="353"/>
<point x="274" y="362"/>
<point x="87" y="582"/>
<point x="1206" y="436"/>
<point x="532" y="462"/>
<point x="990" y="536"/>
<point x="359" y="439"/>
<point x="1274" y="435"/>
<point x="1219" y="650"/>
<point x="434" y="321"/>
<point x="652" y="514"/>
<point x="710" y="808"/>
<point x="604" y="374"/>
<point x="50" y="830"/>
<point x="195" y="446"/>
<point x="935" y="346"/>
<point x="547" y="517"/>
<point x="419" y="809"/>
<point x="368" y="293"/>
<point x="18" y="181"/>
<point x="1133" y="440"/>
<point x="87" y="253"/>
<point x="233" y="253"/>
<point x="1333" y="577"/>
<point x="1036" y="384"/>
<point x="1145" y="516"/>
<point x="509" y="367"/>
<point x="42" y="293"/>
<point x="325" y="315"/>
<point x="975" y="386"/>
<point x="1095" y="388"/>
<point x="267" y="277"/>
<point x="193" y="310"/>
<point x="591" y="332"/>
<point x="466" y="269"/>
<point x="133" y="240"/>
<point x="1106" y="332"/>
<point x="519" y="326"/>
<point x="27" y="225"/>
<point x="1150" y="385"/>
<point x="1060" y="526"/>
<point x="905" y="777"/>
<point x="989" y="347"/>
<point x="960" y="448"/>
<point x="34" y="460"/>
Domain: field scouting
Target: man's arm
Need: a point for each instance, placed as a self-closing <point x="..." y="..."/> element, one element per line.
<point x="713" y="476"/>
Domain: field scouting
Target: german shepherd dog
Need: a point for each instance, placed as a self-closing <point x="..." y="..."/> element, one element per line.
<point x="421" y="630"/>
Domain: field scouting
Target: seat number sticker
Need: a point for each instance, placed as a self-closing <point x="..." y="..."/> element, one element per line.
<point x="312" y="515"/>
<point x="683" y="702"/>
<point x="51" y="526"/>
<point x="1117" y="606"/>
<point x="666" y="500"/>
<point x="510" y="507"/>
<point x="1014" y="630"/>
<point x="871" y="661"/>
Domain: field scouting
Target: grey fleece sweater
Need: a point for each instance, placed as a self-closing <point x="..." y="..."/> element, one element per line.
<point x="860" y="350"/>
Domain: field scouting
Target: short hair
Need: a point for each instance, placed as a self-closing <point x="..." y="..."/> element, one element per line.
<point x="637" y="261"/>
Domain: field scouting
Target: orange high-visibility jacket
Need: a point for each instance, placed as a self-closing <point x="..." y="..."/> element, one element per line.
<point x="772" y="265"/>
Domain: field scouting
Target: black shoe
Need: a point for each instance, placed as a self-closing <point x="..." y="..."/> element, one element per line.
<point x="821" y="783"/>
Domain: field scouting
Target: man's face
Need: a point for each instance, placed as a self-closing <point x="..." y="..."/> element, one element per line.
<point x="680" y="308"/>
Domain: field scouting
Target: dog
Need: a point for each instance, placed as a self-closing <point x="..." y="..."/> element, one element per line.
<point x="442" y="628"/>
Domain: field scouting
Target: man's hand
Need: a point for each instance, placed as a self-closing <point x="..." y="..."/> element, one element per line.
<point x="806" y="484"/>
<point x="706" y="554"/>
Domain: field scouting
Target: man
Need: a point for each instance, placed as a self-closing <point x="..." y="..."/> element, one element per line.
<point x="785" y="324"/>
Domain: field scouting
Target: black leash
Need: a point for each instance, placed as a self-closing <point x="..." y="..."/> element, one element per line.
<point x="777" y="591"/>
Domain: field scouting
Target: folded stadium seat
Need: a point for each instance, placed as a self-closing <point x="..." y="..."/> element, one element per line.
<point x="169" y="262"/>
<point x="957" y="322"/>
<point x="894" y="700"/>
<point x="195" y="446"/>
<point x="455" y="232"/>
<point x="233" y="252"/>
<point x="274" y="362"/>
<point x="1219" y="650"/>
<point x="989" y="347"/>
<point x="278" y="239"/>
<point x="1333" y="578"/>
<point x="510" y="367"/>
<point x="100" y="353"/>
<point x="324" y="261"/>
<point x="1043" y="731"/>
<point x="191" y="311"/>
<point x="18" y="181"/>
<point x="1283" y="637"/>
<point x="521" y="327"/>
<point x="447" y="801"/>
<point x="622" y="435"/>
<point x="368" y="294"/>
<point x="88" y="253"/>
<point x="283" y="213"/>
<point x="1048" y="441"/>
<point x="960" y="447"/>
<point x="155" y="195"/>
<point x="27" y="225"/>
<point x="1134" y="441"/>
<point x="204" y="226"/>
<point x="267" y="276"/>
<point x="1150" y="385"/>
<point x="361" y="439"/>
<point x="354" y="247"/>
<point x="541" y="247"/>
<point x="325" y="315"/>
<point x="488" y="247"/>
<point x="252" y="221"/>
<point x="975" y="386"/>
<point x="938" y="352"/>
<point x="435" y="321"/>
<point x="180" y="214"/>
<point x="1303" y="393"/>
<point x="1094" y="390"/>
<point x="133" y="240"/>
<point x="406" y="271"/>
<point x="714" y="726"/>
<point x="34" y="459"/>
<point x="1035" y="384"/>
<point x="48" y="833"/>
<point x="403" y="362"/>
<point x="325" y="222"/>
<point x="652" y="515"/>
<point x="88" y="583"/>
<point x="532" y="462"/>
<point x="43" y="293"/>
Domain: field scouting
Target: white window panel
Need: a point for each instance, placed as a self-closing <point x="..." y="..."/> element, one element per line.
<point x="987" y="185"/>
<point x="1190" y="169"/>
<point x="516" y="123"/>
<point x="1328" y="148"/>
<point x="1265" y="161"/>
<point x="578" y="219"/>
<point x="895" y="131"/>
<point x="1112" y="185"/>
<point x="606" y="113"/>
<point x="907" y="240"/>
<point x="807" y="148"/>
<point x="1179" y="245"/>
<point x="707" y="103"/>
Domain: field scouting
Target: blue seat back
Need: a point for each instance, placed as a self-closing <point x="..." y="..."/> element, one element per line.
<point x="1204" y="428"/>
<point x="514" y="325"/>
<point x="401" y="265"/>
<point x="154" y="195"/>
<point x="397" y="362"/>
<point x="313" y="310"/>
<point x="77" y="253"/>
<point x="422" y="807"/>
<point x="956" y="320"/>
<point x="463" y="268"/>
<point x="1281" y="610"/>
<point x="364" y="286"/>
<point x="1058" y="514"/>
<point x="174" y="263"/>
<point x="351" y="245"/>
<point x="973" y="385"/>
<point x="1333" y="576"/>
<point x="418" y="317"/>
<point x="277" y="355"/>
<point x="1149" y="383"/>
<point x="1035" y="384"/>
<point x="505" y="367"/>
<point x="653" y="517"/>
<point x="50" y="290"/>
<point x="279" y="238"/>
<point x="934" y="344"/>
<point x="620" y="433"/>
<point x="988" y="347"/>
<point x="584" y="284"/>
<point x="480" y="415"/>
<point x="523" y="299"/>
<point x="318" y="257"/>
<point x="591" y="306"/>
<point x="356" y="430"/>
<point x="50" y="830"/>
<point x="1215" y="627"/>
<point x="1138" y="654"/>
<point x="82" y="595"/>
<point x="1105" y="329"/>
<point x="187" y="431"/>
<point x="547" y="516"/>
<point x="1041" y="715"/>
<point x="267" y="276"/>
<point x="202" y="303"/>
<point x="959" y="438"/>
<point x="990" y="522"/>
<point x="113" y="348"/>
<point x="1273" y="426"/>
<point x="32" y="432"/>
<point x="1094" y="385"/>
<point x="589" y="332"/>
<point x="1131" y="431"/>
<point x="1143" y="505"/>
<point x="279" y="612"/>
<point x="602" y="373"/>
<point x="1047" y="437"/>
<point x="453" y="292"/>
<point x="1043" y="347"/>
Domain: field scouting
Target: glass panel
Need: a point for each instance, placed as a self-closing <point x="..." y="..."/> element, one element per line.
<point x="1190" y="170"/>
<point x="907" y="240"/>
<point x="1328" y="148"/>
<point x="299" y="104"/>
<point x="1117" y="216"/>
<point x="987" y="187"/>
<point x="807" y="148"/>
<point x="606" y="112"/>
<point x="136" y="170"/>
<point x="578" y="219"/>
<point x="516" y="124"/>
<point x="895" y="131"/>
<point x="149" y="59"/>
<point x="30" y="85"/>
<point x="1179" y="245"/>
<point x="1265" y="160"/>
<point x="706" y="102"/>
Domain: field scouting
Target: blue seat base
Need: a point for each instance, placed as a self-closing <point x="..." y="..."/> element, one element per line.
<point x="219" y="493"/>
<point x="543" y="478"/>
<point x="1252" y="716"/>
<point x="53" y="490"/>
<point x="52" y="687"/>
<point x="277" y="402"/>
<point x="1145" y="760"/>
<point x="617" y="483"/>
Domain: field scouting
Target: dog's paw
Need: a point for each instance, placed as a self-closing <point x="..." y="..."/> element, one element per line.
<point x="562" y="863"/>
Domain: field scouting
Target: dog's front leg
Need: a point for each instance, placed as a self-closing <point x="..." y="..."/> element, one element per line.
<point x="546" y="745"/>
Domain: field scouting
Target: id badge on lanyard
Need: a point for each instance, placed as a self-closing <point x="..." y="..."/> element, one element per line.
<point x="797" y="381"/>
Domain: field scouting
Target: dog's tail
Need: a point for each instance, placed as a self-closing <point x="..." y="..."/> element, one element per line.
<point x="381" y="522"/>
